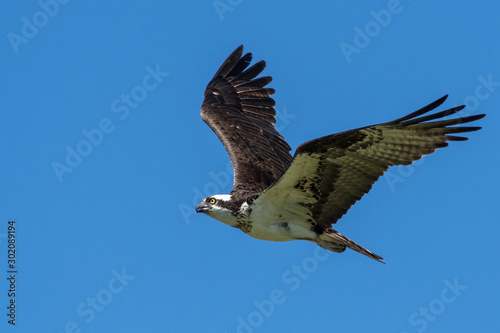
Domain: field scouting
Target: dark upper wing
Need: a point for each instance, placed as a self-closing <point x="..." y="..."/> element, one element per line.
<point x="239" y="110"/>
<point x="328" y="175"/>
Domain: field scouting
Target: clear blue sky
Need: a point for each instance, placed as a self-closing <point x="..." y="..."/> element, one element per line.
<point x="104" y="156"/>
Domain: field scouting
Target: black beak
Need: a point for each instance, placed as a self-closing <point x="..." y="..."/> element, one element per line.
<point x="201" y="207"/>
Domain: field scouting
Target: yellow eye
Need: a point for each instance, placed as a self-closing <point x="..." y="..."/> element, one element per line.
<point x="212" y="201"/>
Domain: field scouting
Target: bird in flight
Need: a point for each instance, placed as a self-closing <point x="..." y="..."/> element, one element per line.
<point x="277" y="197"/>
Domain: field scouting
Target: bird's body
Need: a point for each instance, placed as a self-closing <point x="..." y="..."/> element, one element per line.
<point x="275" y="224"/>
<point x="279" y="198"/>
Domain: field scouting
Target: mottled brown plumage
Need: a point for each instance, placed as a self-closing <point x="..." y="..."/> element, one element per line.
<point x="239" y="109"/>
<point x="275" y="197"/>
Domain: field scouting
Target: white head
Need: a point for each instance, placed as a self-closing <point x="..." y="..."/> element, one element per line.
<point x="218" y="207"/>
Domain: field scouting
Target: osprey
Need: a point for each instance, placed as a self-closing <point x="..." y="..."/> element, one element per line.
<point x="278" y="197"/>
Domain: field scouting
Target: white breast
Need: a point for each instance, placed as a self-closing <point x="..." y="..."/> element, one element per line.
<point x="279" y="224"/>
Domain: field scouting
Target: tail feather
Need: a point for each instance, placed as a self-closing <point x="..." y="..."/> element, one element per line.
<point x="335" y="239"/>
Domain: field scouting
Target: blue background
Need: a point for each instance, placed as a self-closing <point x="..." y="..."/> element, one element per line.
<point x="115" y="244"/>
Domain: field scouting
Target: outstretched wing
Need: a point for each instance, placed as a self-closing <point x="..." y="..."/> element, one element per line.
<point x="239" y="109"/>
<point x="328" y="175"/>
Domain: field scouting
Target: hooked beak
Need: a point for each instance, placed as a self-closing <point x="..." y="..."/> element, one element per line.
<point x="201" y="207"/>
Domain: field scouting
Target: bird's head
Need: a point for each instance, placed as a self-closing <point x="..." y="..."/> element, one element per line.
<point x="218" y="207"/>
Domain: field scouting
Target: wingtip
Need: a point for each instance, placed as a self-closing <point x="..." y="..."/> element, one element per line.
<point x="231" y="61"/>
<point x="475" y="117"/>
<point x="239" y="49"/>
<point x="443" y="98"/>
<point x="439" y="101"/>
<point x="422" y="111"/>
